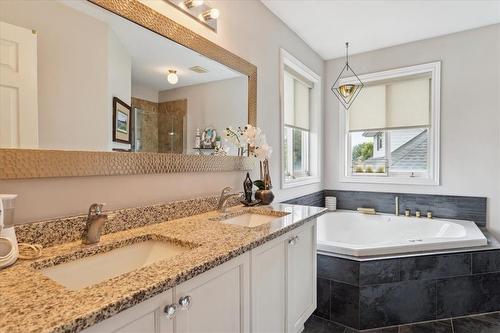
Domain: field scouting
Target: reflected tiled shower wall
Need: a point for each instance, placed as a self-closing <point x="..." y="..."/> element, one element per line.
<point x="145" y="125"/>
<point x="172" y="126"/>
<point x="159" y="127"/>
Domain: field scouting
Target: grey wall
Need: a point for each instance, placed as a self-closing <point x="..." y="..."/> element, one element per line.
<point x="470" y="114"/>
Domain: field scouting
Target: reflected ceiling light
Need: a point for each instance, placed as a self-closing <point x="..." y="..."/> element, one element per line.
<point x="193" y="3"/>
<point x="211" y="14"/>
<point x="172" y="76"/>
<point x="347" y="93"/>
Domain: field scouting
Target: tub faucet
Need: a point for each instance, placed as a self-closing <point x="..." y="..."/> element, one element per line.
<point x="224" y="197"/>
<point x="396" y="204"/>
<point x="95" y="222"/>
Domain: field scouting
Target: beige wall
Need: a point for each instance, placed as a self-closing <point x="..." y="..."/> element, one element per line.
<point x="219" y="104"/>
<point x="119" y="83"/>
<point x="82" y="65"/>
<point x="470" y="113"/>
<point x="143" y="92"/>
<point x="257" y="43"/>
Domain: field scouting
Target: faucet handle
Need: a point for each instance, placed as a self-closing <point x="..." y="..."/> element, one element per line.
<point x="227" y="189"/>
<point x="96" y="208"/>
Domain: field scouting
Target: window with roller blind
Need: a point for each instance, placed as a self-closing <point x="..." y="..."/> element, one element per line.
<point x="300" y="103"/>
<point x="391" y="131"/>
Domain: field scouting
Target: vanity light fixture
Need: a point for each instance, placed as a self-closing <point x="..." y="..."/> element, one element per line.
<point x="347" y="93"/>
<point x="198" y="10"/>
<point x="211" y="14"/>
<point x="193" y="3"/>
<point x="172" y="76"/>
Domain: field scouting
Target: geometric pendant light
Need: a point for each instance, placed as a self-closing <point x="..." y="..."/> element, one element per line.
<point x="347" y="93"/>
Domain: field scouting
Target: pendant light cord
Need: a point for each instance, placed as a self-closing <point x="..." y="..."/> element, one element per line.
<point x="347" y="55"/>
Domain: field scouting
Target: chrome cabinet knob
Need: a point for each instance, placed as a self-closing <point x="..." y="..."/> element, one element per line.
<point x="185" y="303"/>
<point x="292" y="241"/>
<point x="170" y="310"/>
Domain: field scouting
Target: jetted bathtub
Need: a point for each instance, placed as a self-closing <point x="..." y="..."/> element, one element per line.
<point x="355" y="234"/>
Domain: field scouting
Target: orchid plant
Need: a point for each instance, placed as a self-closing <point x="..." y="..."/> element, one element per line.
<point x="257" y="142"/>
<point x="253" y="138"/>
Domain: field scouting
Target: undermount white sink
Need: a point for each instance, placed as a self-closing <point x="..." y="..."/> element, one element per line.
<point x="250" y="219"/>
<point x="87" y="271"/>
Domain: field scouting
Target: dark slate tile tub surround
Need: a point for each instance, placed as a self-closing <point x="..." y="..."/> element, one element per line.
<point x="486" y="323"/>
<point x="443" y="206"/>
<point x="314" y="199"/>
<point x="380" y="293"/>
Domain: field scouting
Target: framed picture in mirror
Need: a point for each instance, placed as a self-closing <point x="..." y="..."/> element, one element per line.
<point x="121" y="121"/>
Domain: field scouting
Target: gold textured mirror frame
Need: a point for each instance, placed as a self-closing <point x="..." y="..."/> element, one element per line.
<point x="27" y="163"/>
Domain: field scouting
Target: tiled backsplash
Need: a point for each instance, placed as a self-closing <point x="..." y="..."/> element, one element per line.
<point x="443" y="206"/>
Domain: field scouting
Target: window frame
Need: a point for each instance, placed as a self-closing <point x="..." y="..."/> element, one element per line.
<point x="314" y="148"/>
<point x="434" y="69"/>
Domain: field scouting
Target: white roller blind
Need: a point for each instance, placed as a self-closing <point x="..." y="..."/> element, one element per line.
<point x="296" y="101"/>
<point x="368" y="110"/>
<point x="408" y="104"/>
<point x="394" y="105"/>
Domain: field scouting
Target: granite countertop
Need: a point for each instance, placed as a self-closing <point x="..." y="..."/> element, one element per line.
<point x="31" y="302"/>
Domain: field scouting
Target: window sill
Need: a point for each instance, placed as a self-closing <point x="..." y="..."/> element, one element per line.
<point x="389" y="180"/>
<point x="300" y="182"/>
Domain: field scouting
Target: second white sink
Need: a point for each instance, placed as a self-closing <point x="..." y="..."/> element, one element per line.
<point x="250" y="219"/>
<point x="87" y="271"/>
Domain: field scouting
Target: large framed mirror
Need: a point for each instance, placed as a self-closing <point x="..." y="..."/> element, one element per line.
<point x="105" y="87"/>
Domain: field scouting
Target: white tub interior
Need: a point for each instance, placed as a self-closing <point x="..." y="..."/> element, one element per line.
<point x="355" y="234"/>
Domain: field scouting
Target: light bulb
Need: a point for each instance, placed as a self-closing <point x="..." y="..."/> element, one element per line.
<point x="193" y="3"/>
<point x="172" y="77"/>
<point x="211" y="14"/>
<point x="347" y="90"/>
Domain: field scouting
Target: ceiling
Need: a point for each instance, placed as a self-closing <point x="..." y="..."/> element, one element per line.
<point x="373" y="24"/>
<point x="153" y="55"/>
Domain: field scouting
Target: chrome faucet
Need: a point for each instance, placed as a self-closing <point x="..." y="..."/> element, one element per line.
<point x="396" y="204"/>
<point x="95" y="222"/>
<point x="224" y="197"/>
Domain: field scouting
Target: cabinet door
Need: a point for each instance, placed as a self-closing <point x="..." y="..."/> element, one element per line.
<point x="268" y="287"/>
<point x="218" y="300"/>
<point x="146" y="317"/>
<point x="301" y="276"/>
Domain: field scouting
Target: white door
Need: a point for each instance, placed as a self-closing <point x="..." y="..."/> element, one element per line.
<point x="301" y="276"/>
<point x="217" y="301"/>
<point x="268" y="287"/>
<point x="18" y="87"/>
<point x="145" y="317"/>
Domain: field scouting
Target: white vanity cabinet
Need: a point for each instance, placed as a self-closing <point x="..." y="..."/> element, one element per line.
<point x="269" y="289"/>
<point x="215" y="301"/>
<point x="219" y="300"/>
<point x="268" y="286"/>
<point x="301" y="276"/>
<point x="146" y="317"/>
<point x="284" y="281"/>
